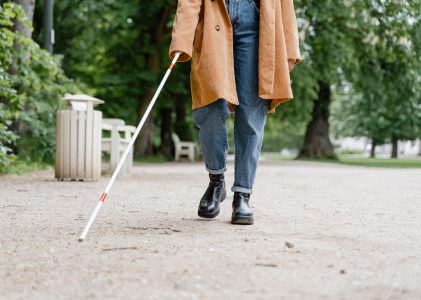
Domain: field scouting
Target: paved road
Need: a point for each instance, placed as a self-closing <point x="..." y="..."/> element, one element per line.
<point x="352" y="233"/>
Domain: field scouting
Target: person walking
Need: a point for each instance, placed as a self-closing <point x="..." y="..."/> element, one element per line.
<point x="242" y="53"/>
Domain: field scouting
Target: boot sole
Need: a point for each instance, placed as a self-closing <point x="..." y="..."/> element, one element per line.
<point x="213" y="214"/>
<point x="209" y="215"/>
<point x="242" y="220"/>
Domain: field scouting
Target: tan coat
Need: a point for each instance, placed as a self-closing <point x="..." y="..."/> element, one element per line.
<point x="202" y="31"/>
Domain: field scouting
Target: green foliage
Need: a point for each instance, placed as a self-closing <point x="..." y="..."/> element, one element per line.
<point x="328" y="30"/>
<point x="21" y="166"/>
<point x="110" y="46"/>
<point x="384" y="99"/>
<point x="360" y="161"/>
<point x="32" y="83"/>
<point x="282" y="135"/>
<point x="10" y="103"/>
<point x="42" y="87"/>
<point x="7" y="137"/>
<point x="381" y="162"/>
<point x="184" y="130"/>
<point x="107" y="46"/>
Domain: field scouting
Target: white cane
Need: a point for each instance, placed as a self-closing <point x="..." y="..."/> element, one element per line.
<point x="123" y="158"/>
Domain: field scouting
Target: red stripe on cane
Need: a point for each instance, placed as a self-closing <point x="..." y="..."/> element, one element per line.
<point x="171" y="66"/>
<point x="103" y="197"/>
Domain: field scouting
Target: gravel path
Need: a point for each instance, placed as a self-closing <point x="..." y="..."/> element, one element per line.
<point x="322" y="231"/>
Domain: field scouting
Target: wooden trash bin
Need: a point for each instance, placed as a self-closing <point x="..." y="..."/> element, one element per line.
<point x="78" y="140"/>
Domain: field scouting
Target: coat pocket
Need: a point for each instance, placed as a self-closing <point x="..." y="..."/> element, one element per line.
<point x="198" y="36"/>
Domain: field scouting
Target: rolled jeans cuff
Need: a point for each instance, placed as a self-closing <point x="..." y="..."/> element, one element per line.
<point x="220" y="171"/>
<point x="241" y="189"/>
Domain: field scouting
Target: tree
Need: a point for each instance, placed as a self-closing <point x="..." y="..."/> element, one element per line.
<point x="23" y="27"/>
<point x="337" y="47"/>
<point x="121" y="57"/>
<point x="153" y="65"/>
<point x="329" y="30"/>
<point x="384" y="101"/>
<point x="30" y="93"/>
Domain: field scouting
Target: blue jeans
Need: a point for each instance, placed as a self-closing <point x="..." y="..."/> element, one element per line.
<point x="250" y="114"/>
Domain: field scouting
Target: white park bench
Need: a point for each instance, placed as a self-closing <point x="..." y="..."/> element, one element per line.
<point x="117" y="144"/>
<point x="183" y="148"/>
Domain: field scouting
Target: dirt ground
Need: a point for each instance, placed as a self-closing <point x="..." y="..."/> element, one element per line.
<point x="322" y="231"/>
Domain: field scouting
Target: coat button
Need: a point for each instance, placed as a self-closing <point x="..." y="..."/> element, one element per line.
<point x="217" y="27"/>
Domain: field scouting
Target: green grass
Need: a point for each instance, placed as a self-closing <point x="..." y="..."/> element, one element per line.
<point x="381" y="162"/>
<point x="276" y="156"/>
<point x="21" y="166"/>
<point x="158" y="158"/>
<point x="361" y="161"/>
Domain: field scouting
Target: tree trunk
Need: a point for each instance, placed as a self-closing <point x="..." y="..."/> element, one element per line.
<point x="181" y="127"/>
<point x="419" y="151"/>
<point x="317" y="142"/>
<point x="373" y="149"/>
<point x="28" y="6"/>
<point x="144" y="145"/>
<point x="394" y="147"/>
<point x="166" y="131"/>
<point x="180" y="109"/>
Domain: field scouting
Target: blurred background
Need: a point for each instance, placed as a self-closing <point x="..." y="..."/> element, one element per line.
<point x="356" y="99"/>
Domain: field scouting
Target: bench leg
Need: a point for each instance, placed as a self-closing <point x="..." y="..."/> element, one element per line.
<point x="177" y="155"/>
<point x="191" y="154"/>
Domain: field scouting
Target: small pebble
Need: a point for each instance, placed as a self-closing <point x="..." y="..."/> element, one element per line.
<point x="289" y="245"/>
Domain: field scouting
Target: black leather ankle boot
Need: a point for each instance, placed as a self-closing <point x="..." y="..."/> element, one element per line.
<point x="215" y="194"/>
<point x="241" y="211"/>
